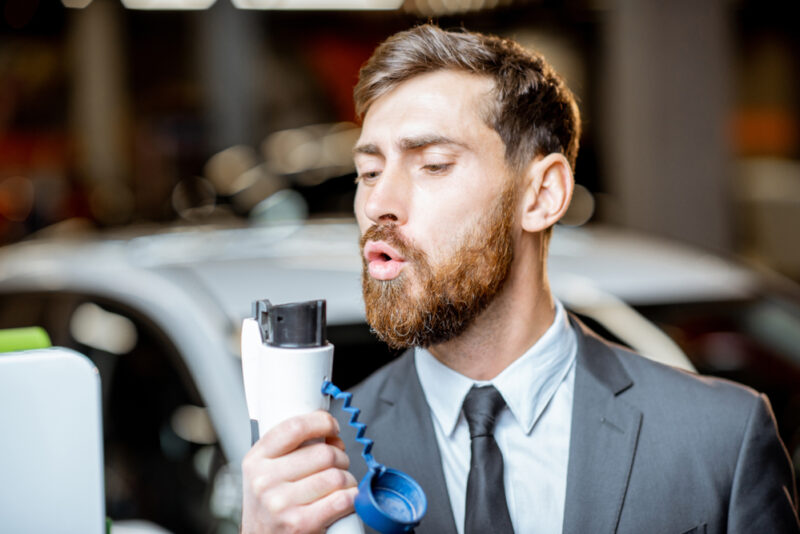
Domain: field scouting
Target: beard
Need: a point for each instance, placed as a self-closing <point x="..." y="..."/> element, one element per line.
<point x="429" y="304"/>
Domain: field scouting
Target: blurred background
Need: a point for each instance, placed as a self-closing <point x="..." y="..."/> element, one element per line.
<point x="113" y="116"/>
<point x="152" y="153"/>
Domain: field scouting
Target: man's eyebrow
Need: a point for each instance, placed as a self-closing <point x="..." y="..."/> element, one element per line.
<point x="369" y="149"/>
<point x="423" y="141"/>
<point x="409" y="143"/>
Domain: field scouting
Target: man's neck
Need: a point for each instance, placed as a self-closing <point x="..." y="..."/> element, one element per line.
<point x="519" y="315"/>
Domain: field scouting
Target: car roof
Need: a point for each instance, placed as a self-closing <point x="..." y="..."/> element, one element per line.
<point x="295" y="262"/>
<point x="197" y="284"/>
<point x="642" y="269"/>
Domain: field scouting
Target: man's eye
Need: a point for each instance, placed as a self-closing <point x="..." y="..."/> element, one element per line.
<point x="366" y="176"/>
<point x="437" y="167"/>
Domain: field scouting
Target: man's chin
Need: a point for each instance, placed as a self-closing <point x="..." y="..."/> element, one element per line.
<point x="405" y="285"/>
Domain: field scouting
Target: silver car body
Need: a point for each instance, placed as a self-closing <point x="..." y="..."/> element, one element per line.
<point x="196" y="286"/>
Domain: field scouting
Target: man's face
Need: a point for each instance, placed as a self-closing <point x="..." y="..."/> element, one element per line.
<point x="436" y="207"/>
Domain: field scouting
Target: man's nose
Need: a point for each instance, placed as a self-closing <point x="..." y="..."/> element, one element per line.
<point x="387" y="199"/>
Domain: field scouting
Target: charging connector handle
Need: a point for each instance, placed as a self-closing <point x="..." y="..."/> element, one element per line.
<point x="293" y="325"/>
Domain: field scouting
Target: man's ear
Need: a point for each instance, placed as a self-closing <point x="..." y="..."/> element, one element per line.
<point x="547" y="192"/>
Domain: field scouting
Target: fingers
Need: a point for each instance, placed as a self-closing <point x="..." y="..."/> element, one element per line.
<point x="295" y="477"/>
<point x="290" y="434"/>
<point x="316" y="516"/>
<point x="314" y="487"/>
<point x="335" y="505"/>
<point x="305" y="461"/>
<point x="336" y="441"/>
<point x="307" y="505"/>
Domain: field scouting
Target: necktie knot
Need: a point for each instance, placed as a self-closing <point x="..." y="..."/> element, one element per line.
<point x="481" y="407"/>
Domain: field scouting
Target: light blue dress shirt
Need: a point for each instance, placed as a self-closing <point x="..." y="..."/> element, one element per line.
<point x="532" y="431"/>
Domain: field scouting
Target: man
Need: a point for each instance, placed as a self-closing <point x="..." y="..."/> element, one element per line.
<point x="464" y="164"/>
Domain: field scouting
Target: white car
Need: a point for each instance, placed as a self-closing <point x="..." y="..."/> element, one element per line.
<point x="160" y="313"/>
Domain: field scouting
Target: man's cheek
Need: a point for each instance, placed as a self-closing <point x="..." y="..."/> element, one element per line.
<point x="363" y="224"/>
<point x="358" y="211"/>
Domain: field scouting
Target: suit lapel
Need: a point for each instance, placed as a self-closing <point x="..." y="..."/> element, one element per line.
<point x="605" y="430"/>
<point x="407" y="420"/>
<point x="603" y="440"/>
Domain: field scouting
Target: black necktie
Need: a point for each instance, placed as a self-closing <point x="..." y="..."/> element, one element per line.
<point x="487" y="511"/>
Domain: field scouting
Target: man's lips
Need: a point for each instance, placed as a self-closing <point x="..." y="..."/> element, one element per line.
<point x="383" y="261"/>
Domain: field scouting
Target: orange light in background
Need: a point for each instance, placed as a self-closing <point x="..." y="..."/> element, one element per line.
<point x="16" y="198"/>
<point x="336" y="60"/>
<point x="765" y="132"/>
<point x="26" y="150"/>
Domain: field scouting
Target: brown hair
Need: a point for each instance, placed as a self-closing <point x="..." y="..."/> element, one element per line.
<point x="534" y="113"/>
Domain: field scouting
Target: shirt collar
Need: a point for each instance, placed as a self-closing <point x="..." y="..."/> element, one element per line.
<point x="527" y="385"/>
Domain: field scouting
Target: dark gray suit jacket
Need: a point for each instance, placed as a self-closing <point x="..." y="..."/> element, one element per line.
<point x="652" y="449"/>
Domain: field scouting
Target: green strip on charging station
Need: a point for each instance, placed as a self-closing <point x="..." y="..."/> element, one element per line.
<point x="16" y="339"/>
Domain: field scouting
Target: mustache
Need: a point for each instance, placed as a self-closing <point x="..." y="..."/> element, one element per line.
<point x="390" y="235"/>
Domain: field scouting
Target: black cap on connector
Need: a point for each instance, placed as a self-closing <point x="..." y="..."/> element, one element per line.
<point x="292" y="325"/>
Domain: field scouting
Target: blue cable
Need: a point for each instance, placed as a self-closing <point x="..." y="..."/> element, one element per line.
<point x="329" y="389"/>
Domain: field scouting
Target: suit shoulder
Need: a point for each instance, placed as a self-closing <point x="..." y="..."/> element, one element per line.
<point x="687" y="392"/>
<point x="367" y="393"/>
<point x="371" y="387"/>
<point x="367" y="398"/>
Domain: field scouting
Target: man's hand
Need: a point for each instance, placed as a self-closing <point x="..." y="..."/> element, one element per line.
<point x="292" y="488"/>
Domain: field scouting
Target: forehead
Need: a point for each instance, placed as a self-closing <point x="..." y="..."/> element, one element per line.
<point x="445" y="102"/>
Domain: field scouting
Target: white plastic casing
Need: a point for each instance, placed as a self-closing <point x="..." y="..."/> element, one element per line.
<point x="280" y="383"/>
<point x="51" y="443"/>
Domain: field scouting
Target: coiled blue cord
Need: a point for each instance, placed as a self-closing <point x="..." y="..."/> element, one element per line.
<point x="329" y="389"/>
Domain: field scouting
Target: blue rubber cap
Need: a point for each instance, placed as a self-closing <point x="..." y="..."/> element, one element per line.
<point x="390" y="501"/>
